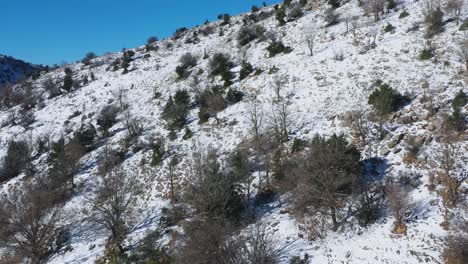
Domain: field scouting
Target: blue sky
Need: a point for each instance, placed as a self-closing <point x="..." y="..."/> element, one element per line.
<point x="54" y="31"/>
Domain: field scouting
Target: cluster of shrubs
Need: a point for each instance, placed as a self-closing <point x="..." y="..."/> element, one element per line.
<point x="176" y="110"/>
<point x="456" y="121"/>
<point x="220" y="65"/>
<point x="249" y="33"/>
<point x="277" y="47"/>
<point x="186" y="62"/>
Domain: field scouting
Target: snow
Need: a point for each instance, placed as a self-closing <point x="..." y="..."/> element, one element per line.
<point x="320" y="90"/>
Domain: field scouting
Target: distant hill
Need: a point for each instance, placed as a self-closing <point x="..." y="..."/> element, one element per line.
<point x="13" y="70"/>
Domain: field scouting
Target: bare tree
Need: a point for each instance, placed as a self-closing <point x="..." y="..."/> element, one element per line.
<point x="377" y="7"/>
<point x="463" y="50"/>
<point x="448" y="158"/>
<point x="280" y="121"/>
<point x="400" y="203"/>
<point x="255" y="116"/>
<point x="354" y="31"/>
<point x="309" y="36"/>
<point x="133" y="124"/>
<point x="212" y="192"/>
<point x="121" y="96"/>
<point x="261" y="246"/>
<point x="113" y="205"/>
<point x="30" y="223"/>
<point x="358" y="122"/>
<point x="278" y="85"/>
<point x="455" y="7"/>
<point x="172" y="163"/>
<point x="330" y="171"/>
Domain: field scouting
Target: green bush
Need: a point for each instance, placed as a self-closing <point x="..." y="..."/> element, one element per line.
<point x="16" y="160"/>
<point x="68" y="82"/>
<point x="188" y="134"/>
<point x="187" y="61"/>
<point x="434" y="20"/>
<point x="384" y="99"/>
<point x="403" y="14"/>
<point x="280" y="16"/>
<point x="426" y="54"/>
<point x="176" y="110"/>
<point x="464" y="25"/>
<point x="107" y="118"/>
<point x="277" y="47"/>
<point x="459" y="101"/>
<point x="234" y="96"/>
<point x="86" y="136"/>
<point x="246" y="69"/>
<point x="221" y="65"/>
<point x="389" y="28"/>
<point x="226" y="19"/>
<point x="249" y="33"/>
<point x="456" y="121"/>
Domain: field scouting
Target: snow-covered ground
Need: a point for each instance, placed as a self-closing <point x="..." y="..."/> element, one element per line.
<point x="321" y="90"/>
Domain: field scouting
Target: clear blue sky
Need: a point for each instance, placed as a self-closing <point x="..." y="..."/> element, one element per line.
<point x="53" y="31"/>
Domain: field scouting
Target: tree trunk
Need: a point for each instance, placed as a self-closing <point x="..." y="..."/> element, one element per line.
<point x="333" y="216"/>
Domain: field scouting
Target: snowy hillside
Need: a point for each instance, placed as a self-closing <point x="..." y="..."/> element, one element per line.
<point x="317" y="93"/>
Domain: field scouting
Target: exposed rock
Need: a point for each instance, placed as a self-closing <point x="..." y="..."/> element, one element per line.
<point x="395" y="140"/>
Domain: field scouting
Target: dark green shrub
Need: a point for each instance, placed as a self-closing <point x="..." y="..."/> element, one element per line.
<point x="426" y="54"/>
<point x="298" y="145"/>
<point x="86" y="136"/>
<point x="246" y="69"/>
<point x="389" y="28"/>
<point x="331" y="17"/>
<point x="150" y="251"/>
<point x="234" y="96"/>
<point x="158" y="153"/>
<point x="188" y="134"/>
<point x="126" y="59"/>
<point x="277" y="47"/>
<point x="403" y="14"/>
<point x="68" y="82"/>
<point x="221" y="65"/>
<point x="464" y="25"/>
<point x="249" y="33"/>
<point x="391" y="4"/>
<point x="255" y="9"/>
<point x="334" y="3"/>
<point x="186" y="62"/>
<point x="87" y="59"/>
<point x="180" y="32"/>
<point x="107" y="118"/>
<point x="176" y="110"/>
<point x="456" y="121"/>
<point x="460" y="100"/>
<point x="226" y="19"/>
<point x="17" y="158"/>
<point x="434" y="20"/>
<point x="384" y="99"/>
<point x="280" y="16"/>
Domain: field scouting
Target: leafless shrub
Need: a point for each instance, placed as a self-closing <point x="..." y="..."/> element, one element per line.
<point x="113" y="206"/>
<point x="30" y="224"/>
<point x="400" y="203"/>
<point x="309" y="37"/>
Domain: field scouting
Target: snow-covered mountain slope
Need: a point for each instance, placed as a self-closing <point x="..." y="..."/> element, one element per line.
<point x="320" y="89"/>
<point x="12" y="70"/>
